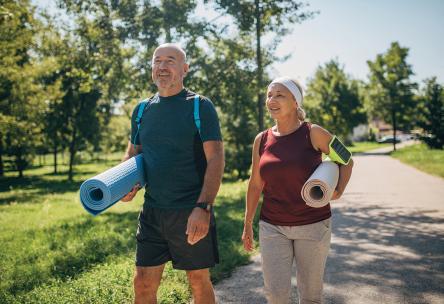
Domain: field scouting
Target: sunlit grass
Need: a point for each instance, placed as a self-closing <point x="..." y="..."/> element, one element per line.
<point x="53" y="251"/>
<point x="365" y="146"/>
<point x="423" y="158"/>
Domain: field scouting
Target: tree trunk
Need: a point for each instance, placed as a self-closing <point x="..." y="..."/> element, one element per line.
<point x="260" y="108"/>
<point x="394" y="128"/>
<point x="2" y="170"/>
<point x="72" y="151"/>
<point x="55" y="158"/>
<point x="19" y="162"/>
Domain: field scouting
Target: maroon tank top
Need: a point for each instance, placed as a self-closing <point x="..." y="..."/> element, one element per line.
<point x="286" y="162"/>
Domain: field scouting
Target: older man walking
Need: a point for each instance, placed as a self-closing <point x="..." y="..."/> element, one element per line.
<point x="184" y="163"/>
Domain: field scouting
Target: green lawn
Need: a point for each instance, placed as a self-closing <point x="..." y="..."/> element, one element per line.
<point x="52" y="251"/>
<point x="422" y="158"/>
<point x="363" y="146"/>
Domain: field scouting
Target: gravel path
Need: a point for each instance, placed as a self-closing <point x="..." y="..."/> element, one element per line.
<point x="387" y="242"/>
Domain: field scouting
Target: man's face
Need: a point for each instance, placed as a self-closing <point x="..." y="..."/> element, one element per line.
<point x="169" y="68"/>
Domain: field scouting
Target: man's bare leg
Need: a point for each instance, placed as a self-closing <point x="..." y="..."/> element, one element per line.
<point x="146" y="283"/>
<point x="201" y="286"/>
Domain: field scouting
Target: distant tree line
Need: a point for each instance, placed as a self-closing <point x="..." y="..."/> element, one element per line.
<point x="70" y="82"/>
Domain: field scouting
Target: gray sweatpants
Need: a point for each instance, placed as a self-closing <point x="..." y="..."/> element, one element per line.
<point x="308" y="245"/>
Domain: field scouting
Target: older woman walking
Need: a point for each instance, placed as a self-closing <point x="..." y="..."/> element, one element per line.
<point x="283" y="158"/>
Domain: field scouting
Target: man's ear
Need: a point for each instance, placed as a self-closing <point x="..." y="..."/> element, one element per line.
<point x="186" y="68"/>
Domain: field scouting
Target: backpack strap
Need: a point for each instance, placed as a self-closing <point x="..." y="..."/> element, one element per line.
<point x="145" y="102"/>
<point x="142" y="106"/>
<point x="196" y="113"/>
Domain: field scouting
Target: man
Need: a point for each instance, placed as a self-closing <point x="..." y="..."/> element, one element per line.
<point x="184" y="170"/>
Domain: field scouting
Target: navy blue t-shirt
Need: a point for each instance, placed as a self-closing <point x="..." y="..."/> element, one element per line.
<point x="172" y="148"/>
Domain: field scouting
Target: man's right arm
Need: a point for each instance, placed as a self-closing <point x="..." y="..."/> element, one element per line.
<point x="131" y="150"/>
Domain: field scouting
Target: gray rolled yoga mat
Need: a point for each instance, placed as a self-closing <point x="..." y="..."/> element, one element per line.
<point x="318" y="189"/>
<point x="104" y="190"/>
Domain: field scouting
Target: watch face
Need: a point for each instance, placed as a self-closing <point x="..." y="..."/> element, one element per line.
<point x="205" y="206"/>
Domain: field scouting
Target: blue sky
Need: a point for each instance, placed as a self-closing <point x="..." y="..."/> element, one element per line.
<point x="354" y="31"/>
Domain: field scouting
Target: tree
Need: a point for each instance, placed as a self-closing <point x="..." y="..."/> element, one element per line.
<point x="264" y="17"/>
<point x="21" y="94"/>
<point x="223" y="75"/>
<point x="433" y="114"/>
<point x="333" y="100"/>
<point x="391" y="90"/>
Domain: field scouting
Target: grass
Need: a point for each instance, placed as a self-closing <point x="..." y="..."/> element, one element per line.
<point x="359" y="147"/>
<point x="422" y="158"/>
<point x="52" y="251"/>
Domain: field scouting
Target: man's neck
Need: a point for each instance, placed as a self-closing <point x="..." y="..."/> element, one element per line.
<point x="167" y="92"/>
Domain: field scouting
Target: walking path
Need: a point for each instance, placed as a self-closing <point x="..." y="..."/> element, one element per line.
<point x="387" y="242"/>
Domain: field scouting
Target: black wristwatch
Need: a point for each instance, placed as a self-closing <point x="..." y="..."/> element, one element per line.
<point x="205" y="206"/>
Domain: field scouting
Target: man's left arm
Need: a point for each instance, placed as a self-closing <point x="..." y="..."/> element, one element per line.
<point x="199" y="219"/>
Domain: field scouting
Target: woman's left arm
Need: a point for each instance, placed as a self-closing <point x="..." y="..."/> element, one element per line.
<point x="320" y="139"/>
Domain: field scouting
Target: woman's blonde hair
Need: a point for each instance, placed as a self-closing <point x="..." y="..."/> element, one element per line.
<point x="300" y="110"/>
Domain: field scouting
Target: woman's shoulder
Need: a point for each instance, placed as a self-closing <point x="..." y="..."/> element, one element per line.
<point x="316" y="129"/>
<point x="260" y="135"/>
<point x="320" y="137"/>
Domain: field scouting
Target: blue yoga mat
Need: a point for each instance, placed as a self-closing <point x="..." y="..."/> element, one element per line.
<point x="104" y="190"/>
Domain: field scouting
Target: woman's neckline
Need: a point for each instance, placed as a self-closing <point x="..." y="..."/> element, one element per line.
<point x="285" y="135"/>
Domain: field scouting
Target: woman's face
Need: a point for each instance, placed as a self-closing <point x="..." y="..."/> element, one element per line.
<point x="280" y="102"/>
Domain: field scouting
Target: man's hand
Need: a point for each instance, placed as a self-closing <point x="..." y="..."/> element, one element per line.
<point x="129" y="197"/>
<point x="198" y="225"/>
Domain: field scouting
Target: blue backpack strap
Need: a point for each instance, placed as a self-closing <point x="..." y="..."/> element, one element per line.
<point x="142" y="106"/>
<point x="196" y="112"/>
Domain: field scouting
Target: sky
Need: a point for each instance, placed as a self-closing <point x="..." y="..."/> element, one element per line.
<point x="354" y="31"/>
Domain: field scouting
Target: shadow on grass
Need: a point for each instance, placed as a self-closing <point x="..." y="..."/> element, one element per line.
<point x="27" y="189"/>
<point x="75" y="247"/>
<point x="66" y="250"/>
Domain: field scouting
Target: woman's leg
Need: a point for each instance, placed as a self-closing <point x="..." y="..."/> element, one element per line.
<point x="311" y="251"/>
<point x="277" y="259"/>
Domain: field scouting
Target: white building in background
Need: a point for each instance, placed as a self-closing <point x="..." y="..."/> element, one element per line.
<point x="360" y="132"/>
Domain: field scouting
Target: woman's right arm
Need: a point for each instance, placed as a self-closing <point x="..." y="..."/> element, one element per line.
<point x="255" y="186"/>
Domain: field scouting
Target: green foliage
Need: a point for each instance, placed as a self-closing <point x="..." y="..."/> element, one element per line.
<point x="233" y="99"/>
<point x="432" y="120"/>
<point x="21" y="95"/>
<point x="333" y="100"/>
<point x="390" y="89"/>
<point x="256" y="19"/>
<point x="115" y="136"/>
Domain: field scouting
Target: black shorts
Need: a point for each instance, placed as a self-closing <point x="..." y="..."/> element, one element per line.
<point x="161" y="238"/>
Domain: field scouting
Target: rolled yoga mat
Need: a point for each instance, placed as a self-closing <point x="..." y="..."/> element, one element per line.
<point x="104" y="190"/>
<point x="318" y="189"/>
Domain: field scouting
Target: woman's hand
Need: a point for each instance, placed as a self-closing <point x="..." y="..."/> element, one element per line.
<point x="336" y="195"/>
<point x="247" y="237"/>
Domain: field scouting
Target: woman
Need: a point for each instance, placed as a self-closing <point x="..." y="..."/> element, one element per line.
<point x="284" y="157"/>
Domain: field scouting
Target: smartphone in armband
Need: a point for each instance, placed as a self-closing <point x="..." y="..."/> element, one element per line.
<point x="338" y="152"/>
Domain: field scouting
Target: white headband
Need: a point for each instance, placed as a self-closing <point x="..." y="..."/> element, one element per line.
<point x="291" y="86"/>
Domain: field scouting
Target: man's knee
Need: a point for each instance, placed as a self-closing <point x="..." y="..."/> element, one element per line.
<point x="199" y="278"/>
<point x="146" y="281"/>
